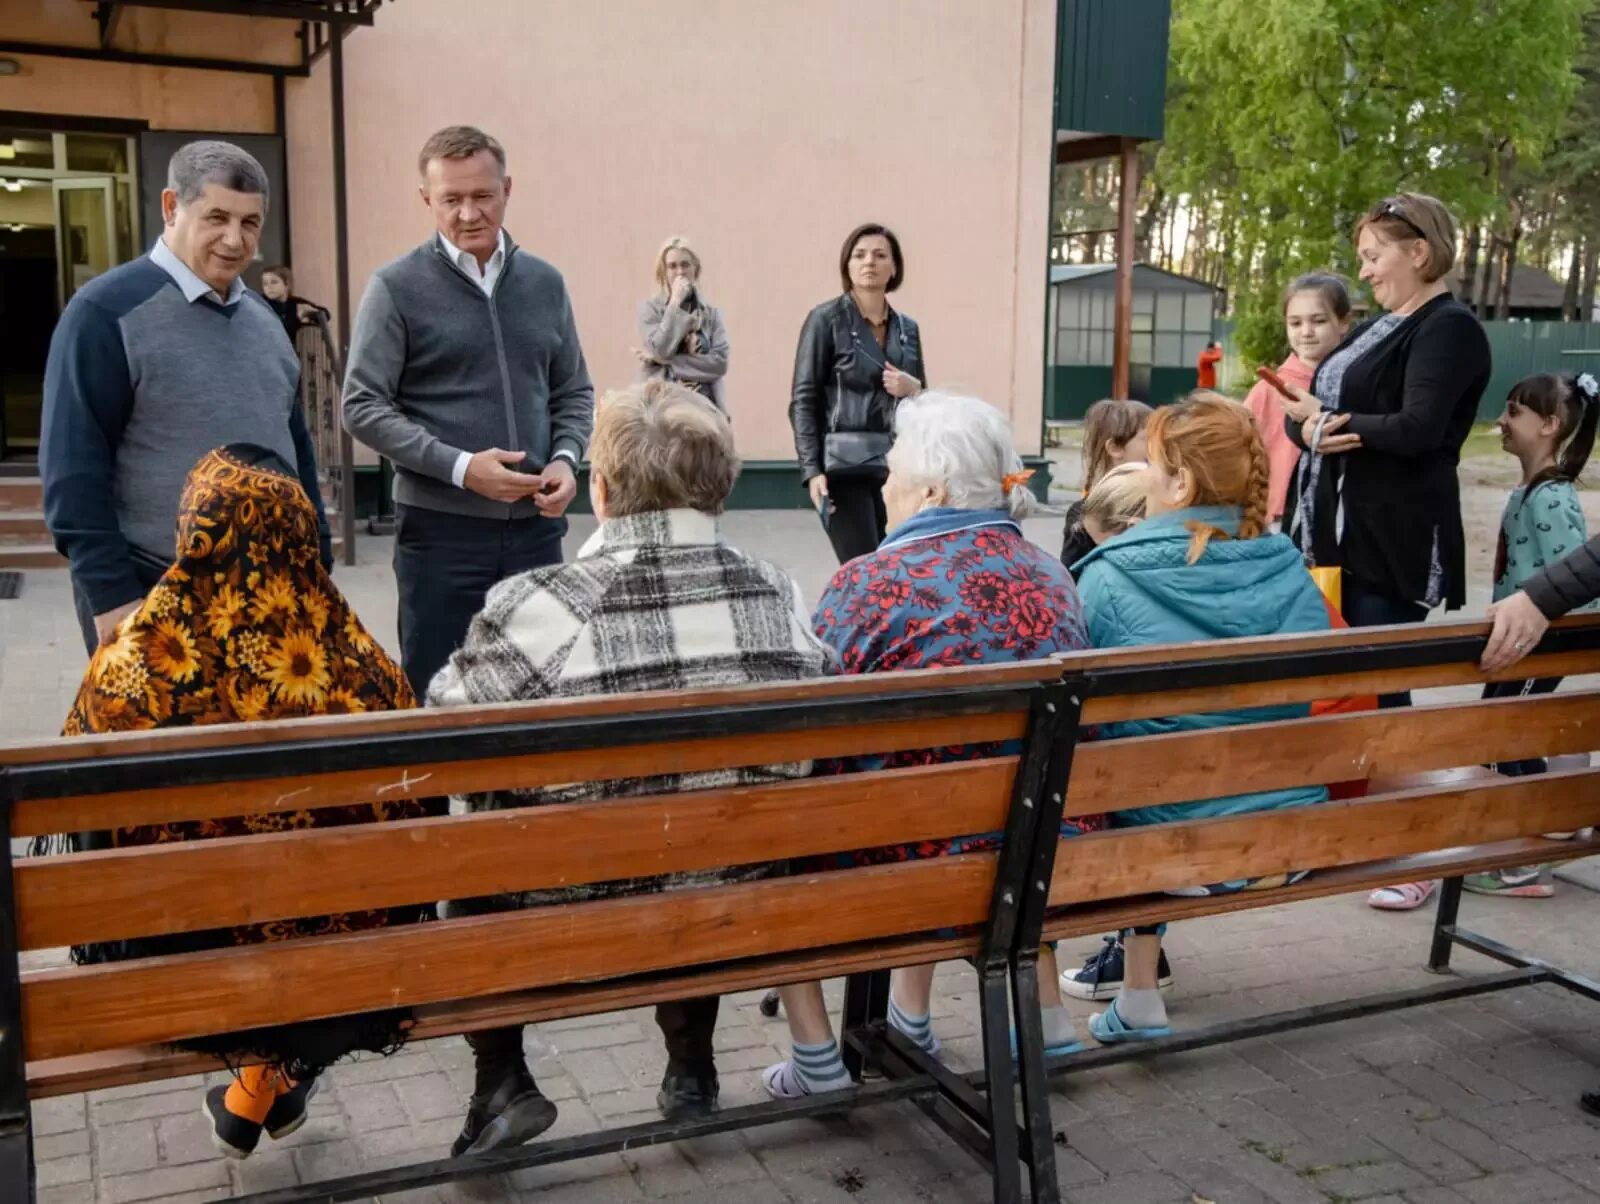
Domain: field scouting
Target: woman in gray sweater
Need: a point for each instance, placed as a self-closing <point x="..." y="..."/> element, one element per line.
<point x="681" y="337"/>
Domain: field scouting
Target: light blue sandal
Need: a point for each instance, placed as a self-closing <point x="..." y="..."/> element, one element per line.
<point x="1050" y="1051"/>
<point x="1108" y="1028"/>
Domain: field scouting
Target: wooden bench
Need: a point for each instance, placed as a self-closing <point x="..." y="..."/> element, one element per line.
<point x="1432" y="811"/>
<point x="76" y="1028"/>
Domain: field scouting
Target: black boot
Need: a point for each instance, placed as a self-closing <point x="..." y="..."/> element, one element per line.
<point x="506" y="1107"/>
<point x="688" y="1093"/>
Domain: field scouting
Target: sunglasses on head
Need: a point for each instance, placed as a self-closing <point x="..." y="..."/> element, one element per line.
<point x="1392" y="209"/>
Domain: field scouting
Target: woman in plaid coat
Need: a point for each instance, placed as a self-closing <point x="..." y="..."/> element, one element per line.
<point x="654" y="601"/>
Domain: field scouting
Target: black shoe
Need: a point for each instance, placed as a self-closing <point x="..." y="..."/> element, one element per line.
<point x="1590" y="1100"/>
<point x="233" y="1135"/>
<point x="686" y="1096"/>
<point x="1101" y="976"/>
<point x="288" y="1111"/>
<point x="515" y="1113"/>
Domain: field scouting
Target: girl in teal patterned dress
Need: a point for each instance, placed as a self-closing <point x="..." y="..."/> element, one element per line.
<point x="1549" y="425"/>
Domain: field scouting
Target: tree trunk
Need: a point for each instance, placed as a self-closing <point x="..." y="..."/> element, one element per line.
<point x="1569" y="295"/>
<point x="1485" y="285"/>
<point x="1469" y="265"/>
<point x="1591" y="264"/>
<point x="1508" y="268"/>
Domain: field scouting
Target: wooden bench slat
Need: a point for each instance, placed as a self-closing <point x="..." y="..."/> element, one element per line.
<point x="300" y="792"/>
<point x="1283" y="645"/>
<point x="1095" y="918"/>
<point x="1134" y="861"/>
<point x="1143" y="771"/>
<point x="138" y="1064"/>
<point x="83" y="1009"/>
<point x="1114" y="708"/>
<point x="355" y="727"/>
<point x="187" y="887"/>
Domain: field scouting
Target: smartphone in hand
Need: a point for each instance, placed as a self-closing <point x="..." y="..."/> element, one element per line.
<point x="1276" y="381"/>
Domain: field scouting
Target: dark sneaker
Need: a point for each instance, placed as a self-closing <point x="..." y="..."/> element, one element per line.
<point x="1590" y="1101"/>
<point x="289" y="1110"/>
<point x="1101" y="976"/>
<point x="686" y="1096"/>
<point x="234" y="1136"/>
<point x="515" y="1113"/>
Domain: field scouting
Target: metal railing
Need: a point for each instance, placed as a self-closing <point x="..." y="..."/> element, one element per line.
<point x="321" y="394"/>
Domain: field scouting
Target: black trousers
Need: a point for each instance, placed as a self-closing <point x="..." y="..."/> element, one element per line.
<point x="856" y="522"/>
<point x="1364" y="607"/>
<point x="687" y="1025"/>
<point x="444" y="564"/>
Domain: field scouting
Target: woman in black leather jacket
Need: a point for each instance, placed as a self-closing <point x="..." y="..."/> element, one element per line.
<point x="857" y="358"/>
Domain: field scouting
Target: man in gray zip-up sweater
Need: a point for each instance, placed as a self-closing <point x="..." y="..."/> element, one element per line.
<point x="465" y="370"/>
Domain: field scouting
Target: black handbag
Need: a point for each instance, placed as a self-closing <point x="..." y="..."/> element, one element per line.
<point x="856" y="453"/>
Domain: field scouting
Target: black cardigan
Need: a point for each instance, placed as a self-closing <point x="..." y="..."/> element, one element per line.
<point x="1412" y="399"/>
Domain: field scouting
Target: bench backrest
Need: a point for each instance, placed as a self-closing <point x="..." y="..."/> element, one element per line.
<point x="1181" y="766"/>
<point x="97" y="783"/>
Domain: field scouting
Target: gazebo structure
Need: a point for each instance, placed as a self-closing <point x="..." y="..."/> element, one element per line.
<point x="1111" y="94"/>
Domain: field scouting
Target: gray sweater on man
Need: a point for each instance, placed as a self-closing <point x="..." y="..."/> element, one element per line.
<point x="438" y="368"/>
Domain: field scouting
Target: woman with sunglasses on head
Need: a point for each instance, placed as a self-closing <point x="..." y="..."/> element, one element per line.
<point x="858" y="358"/>
<point x="1389" y="410"/>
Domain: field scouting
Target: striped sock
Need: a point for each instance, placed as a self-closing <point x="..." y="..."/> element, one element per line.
<point x="919" y="1029"/>
<point x="819" y="1067"/>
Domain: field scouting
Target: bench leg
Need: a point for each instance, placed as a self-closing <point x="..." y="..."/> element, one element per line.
<point x="16" y="1123"/>
<point x="1001" y="1083"/>
<point x="866" y="1002"/>
<point x="1443" y="917"/>
<point x="1036" y="1121"/>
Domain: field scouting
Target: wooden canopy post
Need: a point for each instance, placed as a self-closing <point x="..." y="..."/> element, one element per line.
<point x="1127" y="214"/>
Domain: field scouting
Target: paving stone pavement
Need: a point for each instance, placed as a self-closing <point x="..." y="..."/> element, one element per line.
<point x="1474" y="1100"/>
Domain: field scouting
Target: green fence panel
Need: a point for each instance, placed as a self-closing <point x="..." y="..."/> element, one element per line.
<point x="1520" y="349"/>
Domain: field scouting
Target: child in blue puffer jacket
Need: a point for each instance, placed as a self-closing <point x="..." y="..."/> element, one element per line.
<point x="1200" y="567"/>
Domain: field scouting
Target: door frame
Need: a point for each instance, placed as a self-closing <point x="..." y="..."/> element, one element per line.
<point x="107" y="187"/>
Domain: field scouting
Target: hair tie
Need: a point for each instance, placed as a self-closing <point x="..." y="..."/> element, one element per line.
<point x="1588" y="386"/>
<point x="1012" y="479"/>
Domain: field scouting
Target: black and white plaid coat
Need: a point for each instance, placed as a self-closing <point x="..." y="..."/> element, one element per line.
<point x="653" y="602"/>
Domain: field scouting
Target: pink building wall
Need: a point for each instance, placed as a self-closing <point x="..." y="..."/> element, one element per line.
<point x="761" y="132"/>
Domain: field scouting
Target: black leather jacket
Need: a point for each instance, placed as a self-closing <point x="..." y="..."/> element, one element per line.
<point x="838" y="376"/>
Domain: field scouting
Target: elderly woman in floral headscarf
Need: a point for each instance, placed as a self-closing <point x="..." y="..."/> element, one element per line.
<point x="955" y="582"/>
<point x="246" y="625"/>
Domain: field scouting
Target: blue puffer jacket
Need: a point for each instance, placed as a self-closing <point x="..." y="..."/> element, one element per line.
<point x="1139" y="589"/>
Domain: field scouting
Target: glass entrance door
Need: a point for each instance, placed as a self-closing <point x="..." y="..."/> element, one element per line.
<point x="86" y="231"/>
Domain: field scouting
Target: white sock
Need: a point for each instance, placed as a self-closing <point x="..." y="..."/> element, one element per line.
<point x="1057" y="1024"/>
<point x="1141" y="1009"/>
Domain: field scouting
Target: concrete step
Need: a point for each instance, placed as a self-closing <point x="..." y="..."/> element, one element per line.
<point x="20" y="493"/>
<point x="30" y="556"/>
<point x="22" y="526"/>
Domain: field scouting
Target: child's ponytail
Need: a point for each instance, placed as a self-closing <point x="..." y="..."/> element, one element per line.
<point x="1586" y="397"/>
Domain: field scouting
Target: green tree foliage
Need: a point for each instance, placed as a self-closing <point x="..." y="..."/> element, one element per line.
<point x="1287" y="119"/>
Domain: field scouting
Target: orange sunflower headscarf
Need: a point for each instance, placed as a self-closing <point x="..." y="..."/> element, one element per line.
<point x="246" y="625"/>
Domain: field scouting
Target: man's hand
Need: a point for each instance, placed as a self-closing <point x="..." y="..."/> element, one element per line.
<point x="105" y="626"/>
<point x="900" y="384"/>
<point x="488" y="475"/>
<point x="1518" y="626"/>
<point x="559" y="486"/>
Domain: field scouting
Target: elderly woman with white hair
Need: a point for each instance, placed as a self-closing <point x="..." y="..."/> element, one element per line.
<point x="955" y="582"/>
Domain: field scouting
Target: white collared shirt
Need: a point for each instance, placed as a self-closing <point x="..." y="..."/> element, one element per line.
<point x="183" y="276"/>
<point x="484" y="277"/>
